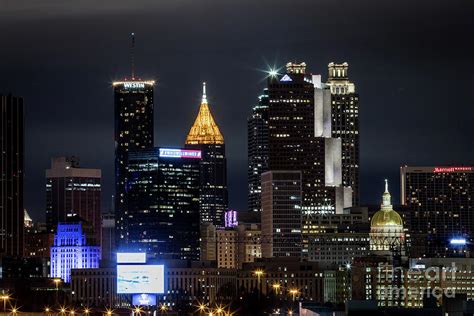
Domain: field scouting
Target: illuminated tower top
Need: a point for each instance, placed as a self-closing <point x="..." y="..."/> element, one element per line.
<point x="204" y="129"/>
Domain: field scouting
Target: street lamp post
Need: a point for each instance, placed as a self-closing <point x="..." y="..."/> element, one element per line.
<point x="259" y="274"/>
<point x="5" y="298"/>
<point x="276" y="287"/>
<point x="57" y="281"/>
<point x="293" y="293"/>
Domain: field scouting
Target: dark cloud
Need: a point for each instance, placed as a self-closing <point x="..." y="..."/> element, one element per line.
<point x="411" y="60"/>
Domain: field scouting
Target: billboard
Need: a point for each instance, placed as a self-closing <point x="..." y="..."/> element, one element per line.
<point x="180" y="153"/>
<point x="137" y="279"/>
<point x="131" y="257"/>
<point x="143" y="300"/>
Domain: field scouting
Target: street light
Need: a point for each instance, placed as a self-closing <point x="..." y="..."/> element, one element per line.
<point x="138" y="310"/>
<point x="47" y="310"/>
<point x="201" y="308"/>
<point x="14" y="311"/>
<point x="276" y="287"/>
<point x="163" y="308"/>
<point x="259" y="274"/>
<point x="87" y="311"/>
<point x="5" y="298"/>
<point x="293" y="293"/>
<point x="63" y="310"/>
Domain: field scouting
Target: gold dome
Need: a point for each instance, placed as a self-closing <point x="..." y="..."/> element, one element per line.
<point x="204" y="129"/>
<point x="386" y="218"/>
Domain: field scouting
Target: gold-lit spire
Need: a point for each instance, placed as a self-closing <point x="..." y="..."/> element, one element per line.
<point x="204" y="129"/>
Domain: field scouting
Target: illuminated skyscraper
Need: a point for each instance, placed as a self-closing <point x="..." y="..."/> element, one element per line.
<point x="163" y="203"/>
<point x="71" y="190"/>
<point x="257" y="142"/>
<point x="133" y="131"/>
<point x="205" y="136"/>
<point x="441" y="204"/>
<point x="345" y="124"/>
<point x="11" y="185"/>
<point x="72" y="250"/>
<point x="300" y="139"/>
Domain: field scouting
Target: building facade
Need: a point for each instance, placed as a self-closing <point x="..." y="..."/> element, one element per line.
<point x="441" y="201"/>
<point x="72" y="249"/>
<point x="163" y="202"/>
<point x="299" y="127"/>
<point x="257" y="143"/>
<point x="134" y="130"/>
<point x="72" y="190"/>
<point x="425" y="278"/>
<point x="12" y="167"/>
<point x="336" y="240"/>
<point x="108" y="237"/>
<point x="281" y="214"/>
<point x="205" y="136"/>
<point x="345" y="124"/>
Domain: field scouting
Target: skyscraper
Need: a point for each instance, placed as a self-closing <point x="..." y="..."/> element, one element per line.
<point x="441" y="201"/>
<point x="281" y="214"/>
<point x="300" y="139"/>
<point x="205" y="136"/>
<point x="257" y="142"/>
<point x="345" y="124"/>
<point x="72" y="190"/>
<point x="11" y="164"/>
<point x="163" y="202"/>
<point x="133" y="131"/>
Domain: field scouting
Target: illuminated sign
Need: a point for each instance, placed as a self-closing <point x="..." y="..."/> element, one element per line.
<point x="136" y="279"/>
<point x="458" y="241"/>
<point x="180" y="153"/>
<point x="452" y="169"/>
<point x="134" y="85"/>
<point x="143" y="300"/>
<point x="131" y="257"/>
<point x="286" y="78"/>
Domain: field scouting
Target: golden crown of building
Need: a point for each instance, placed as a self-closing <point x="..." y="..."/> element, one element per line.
<point x="204" y="129"/>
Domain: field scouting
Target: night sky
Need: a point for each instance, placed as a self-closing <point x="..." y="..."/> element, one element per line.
<point x="412" y="62"/>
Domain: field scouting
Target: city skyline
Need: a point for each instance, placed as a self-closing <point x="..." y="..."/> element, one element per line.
<point x="394" y="97"/>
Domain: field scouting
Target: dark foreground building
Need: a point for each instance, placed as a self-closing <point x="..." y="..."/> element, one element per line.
<point x="163" y="203"/>
<point x="11" y="185"/>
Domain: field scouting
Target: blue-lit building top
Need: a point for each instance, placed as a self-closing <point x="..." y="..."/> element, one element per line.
<point x="162" y="199"/>
<point x="71" y="250"/>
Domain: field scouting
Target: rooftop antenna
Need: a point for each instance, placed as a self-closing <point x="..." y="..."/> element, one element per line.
<point x="132" y="57"/>
<point x="204" y="97"/>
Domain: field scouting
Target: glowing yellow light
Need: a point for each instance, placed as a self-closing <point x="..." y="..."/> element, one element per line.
<point x="204" y="129"/>
<point x="47" y="309"/>
<point x="86" y="311"/>
<point x="163" y="307"/>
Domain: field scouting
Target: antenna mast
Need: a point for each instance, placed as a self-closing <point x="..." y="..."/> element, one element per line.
<point x="132" y="55"/>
